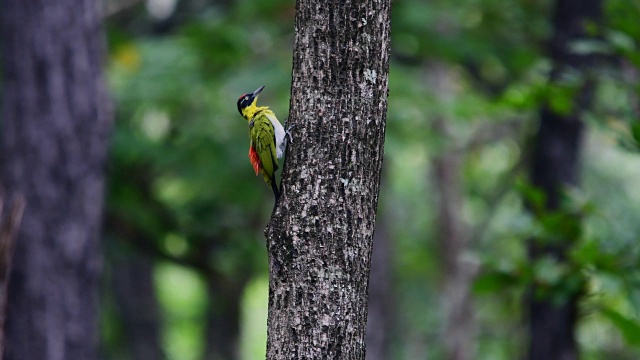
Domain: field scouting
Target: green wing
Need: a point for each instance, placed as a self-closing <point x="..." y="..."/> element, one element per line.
<point x="264" y="142"/>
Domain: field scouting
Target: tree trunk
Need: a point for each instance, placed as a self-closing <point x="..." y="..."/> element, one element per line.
<point x="381" y="300"/>
<point x="453" y="243"/>
<point x="320" y="236"/>
<point x="54" y="141"/>
<point x="9" y="227"/>
<point x="137" y="305"/>
<point x="223" y="318"/>
<point x="453" y="235"/>
<point x="555" y="165"/>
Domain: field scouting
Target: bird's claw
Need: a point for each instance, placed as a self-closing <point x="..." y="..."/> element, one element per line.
<point x="287" y="133"/>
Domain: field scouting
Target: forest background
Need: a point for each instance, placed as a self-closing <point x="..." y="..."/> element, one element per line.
<point x="185" y="259"/>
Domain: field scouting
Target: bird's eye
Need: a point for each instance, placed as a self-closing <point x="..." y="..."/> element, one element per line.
<point x="246" y="98"/>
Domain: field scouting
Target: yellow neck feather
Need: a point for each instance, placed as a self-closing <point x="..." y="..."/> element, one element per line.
<point x="250" y="111"/>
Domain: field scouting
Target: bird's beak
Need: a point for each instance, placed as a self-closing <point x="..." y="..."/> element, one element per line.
<point x="258" y="90"/>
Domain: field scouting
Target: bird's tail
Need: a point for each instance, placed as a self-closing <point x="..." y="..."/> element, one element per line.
<point x="271" y="181"/>
<point x="274" y="187"/>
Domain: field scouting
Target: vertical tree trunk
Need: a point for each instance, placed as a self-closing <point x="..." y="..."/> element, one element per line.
<point x="137" y="305"/>
<point x="223" y="320"/>
<point x="453" y="243"/>
<point x="9" y="227"/>
<point x="453" y="236"/>
<point x="381" y="299"/>
<point x="320" y="236"/>
<point x="55" y="124"/>
<point x="555" y="164"/>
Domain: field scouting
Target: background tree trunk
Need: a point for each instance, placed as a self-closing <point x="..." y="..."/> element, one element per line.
<point x="9" y="227"/>
<point x="223" y="317"/>
<point x="54" y="141"/>
<point x="555" y="165"/>
<point x="453" y="239"/>
<point x="320" y="235"/>
<point x="452" y="233"/>
<point x="137" y="305"/>
<point x="381" y="292"/>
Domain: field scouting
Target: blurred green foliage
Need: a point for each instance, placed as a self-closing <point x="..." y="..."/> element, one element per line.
<point x="181" y="183"/>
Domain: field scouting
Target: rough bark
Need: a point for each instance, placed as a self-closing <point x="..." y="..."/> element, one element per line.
<point x="319" y="238"/>
<point x="137" y="305"/>
<point x="555" y="165"/>
<point x="55" y="125"/>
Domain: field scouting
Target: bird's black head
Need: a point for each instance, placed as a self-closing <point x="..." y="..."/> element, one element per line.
<point x="247" y="100"/>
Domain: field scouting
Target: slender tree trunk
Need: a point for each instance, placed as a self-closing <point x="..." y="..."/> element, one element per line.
<point x="320" y="236"/>
<point x="381" y="300"/>
<point x="453" y="235"/>
<point x="223" y="320"/>
<point x="55" y="125"/>
<point x="555" y="165"/>
<point x="137" y="305"/>
<point x="9" y="227"/>
<point x="453" y="242"/>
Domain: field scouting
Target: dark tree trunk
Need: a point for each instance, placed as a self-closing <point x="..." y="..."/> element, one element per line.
<point x="9" y="227"/>
<point x="55" y="125"/>
<point x="555" y="165"/>
<point x="223" y="320"/>
<point x="320" y="236"/>
<point x="381" y="300"/>
<point x="137" y="305"/>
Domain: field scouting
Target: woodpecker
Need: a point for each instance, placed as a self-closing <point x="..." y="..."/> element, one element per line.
<point x="267" y="137"/>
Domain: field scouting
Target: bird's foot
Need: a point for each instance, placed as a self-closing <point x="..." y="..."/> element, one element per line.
<point x="287" y="133"/>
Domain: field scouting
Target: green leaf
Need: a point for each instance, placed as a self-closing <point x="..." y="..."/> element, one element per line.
<point x="630" y="328"/>
<point x="550" y="271"/>
<point x="587" y="47"/>
<point x="536" y="197"/>
<point x="620" y="40"/>
<point x="561" y="98"/>
<point x="492" y="282"/>
<point x="635" y="132"/>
